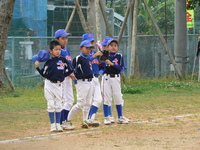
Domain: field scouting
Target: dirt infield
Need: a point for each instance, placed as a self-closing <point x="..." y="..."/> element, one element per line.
<point x="172" y="133"/>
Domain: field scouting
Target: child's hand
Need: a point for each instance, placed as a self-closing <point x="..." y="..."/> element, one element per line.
<point x="99" y="46"/>
<point x="37" y="64"/>
<point x="108" y="62"/>
<point x="72" y="76"/>
<point x="99" y="53"/>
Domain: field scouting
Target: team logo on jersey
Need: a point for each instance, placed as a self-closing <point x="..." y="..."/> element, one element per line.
<point x="68" y="58"/>
<point x="115" y="61"/>
<point x="61" y="65"/>
<point x="95" y="61"/>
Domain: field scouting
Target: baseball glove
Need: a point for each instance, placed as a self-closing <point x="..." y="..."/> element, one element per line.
<point x="104" y="56"/>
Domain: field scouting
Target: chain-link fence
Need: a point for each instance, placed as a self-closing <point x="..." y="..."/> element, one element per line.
<point x="153" y="60"/>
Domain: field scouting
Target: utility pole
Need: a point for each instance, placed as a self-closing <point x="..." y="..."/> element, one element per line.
<point x="180" y="38"/>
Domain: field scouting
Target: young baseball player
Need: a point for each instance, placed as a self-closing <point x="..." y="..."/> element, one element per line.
<point x="111" y="86"/>
<point x="198" y="50"/>
<point x="83" y="72"/>
<point x="104" y="44"/>
<point x="96" y="94"/>
<point x="68" y="98"/>
<point x="54" y="71"/>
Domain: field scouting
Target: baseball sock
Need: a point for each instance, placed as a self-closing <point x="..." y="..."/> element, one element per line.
<point x="105" y="110"/>
<point x="109" y="111"/>
<point x="65" y="114"/>
<point x="119" y="110"/>
<point x="62" y="117"/>
<point x="58" y="114"/>
<point x="51" y="117"/>
<point x="93" y="110"/>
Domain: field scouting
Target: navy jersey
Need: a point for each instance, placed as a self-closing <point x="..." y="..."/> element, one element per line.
<point x="198" y="49"/>
<point x="56" y="69"/>
<point x="95" y="63"/>
<point x="118" y="66"/>
<point x="66" y="53"/>
<point x="82" y="67"/>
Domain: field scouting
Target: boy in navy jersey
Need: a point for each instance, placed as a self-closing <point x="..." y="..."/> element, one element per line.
<point x="111" y="86"/>
<point x="68" y="98"/>
<point x="83" y="73"/>
<point x="96" y="93"/>
<point x="105" y="47"/>
<point x="54" y="71"/>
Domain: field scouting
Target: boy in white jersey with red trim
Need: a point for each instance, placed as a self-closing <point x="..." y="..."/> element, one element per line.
<point x="111" y="86"/>
<point x="68" y="98"/>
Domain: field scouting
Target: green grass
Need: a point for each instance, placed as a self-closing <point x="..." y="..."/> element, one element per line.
<point x="25" y="110"/>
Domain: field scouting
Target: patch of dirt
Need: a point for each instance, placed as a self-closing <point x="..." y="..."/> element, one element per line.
<point x="179" y="133"/>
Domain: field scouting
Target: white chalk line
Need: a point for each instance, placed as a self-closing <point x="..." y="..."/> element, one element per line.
<point x="82" y="132"/>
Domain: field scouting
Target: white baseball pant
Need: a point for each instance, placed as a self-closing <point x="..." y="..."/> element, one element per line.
<point x="111" y="87"/>
<point x="96" y="97"/>
<point x="84" y="99"/>
<point x="53" y="95"/>
<point x="68" y="97"/>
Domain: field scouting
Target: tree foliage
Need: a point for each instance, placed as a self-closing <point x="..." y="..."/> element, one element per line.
<point x="162" y="10"/>
<point x="193" y="4"/>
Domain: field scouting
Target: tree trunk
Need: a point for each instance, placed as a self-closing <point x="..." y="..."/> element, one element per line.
<point x="81" y="16"/>
<point x="90" y="15"/>
<point x="97" y="21"/>
<point x="124" y="23"/>
<point x="70" y="20"/>
<point x="6" y="10"/>
<point x="102" y="6"/>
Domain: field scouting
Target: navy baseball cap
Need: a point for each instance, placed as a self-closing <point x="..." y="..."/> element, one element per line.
<point x="61" y="33"/>
<point x="105" y="40"/>
<point x="86" y="43"/>
<point x="111" y="40"/>
<point x="41" y="56"/>
<point x="88" y="36"/>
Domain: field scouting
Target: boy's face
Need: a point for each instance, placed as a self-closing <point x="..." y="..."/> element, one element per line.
<point x="63" y="41"/>
<point x="113" y="47"/>
<point x="56" y="51"/>
<point x="85" y="50"/>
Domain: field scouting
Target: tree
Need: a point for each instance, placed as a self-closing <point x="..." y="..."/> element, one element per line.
<point x="6" y="10"/>
<point x="193" y="3"/>
<point x="158" y="10"/>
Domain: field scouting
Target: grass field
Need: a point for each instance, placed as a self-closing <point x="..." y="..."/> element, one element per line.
<point x="24" y="113"/>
